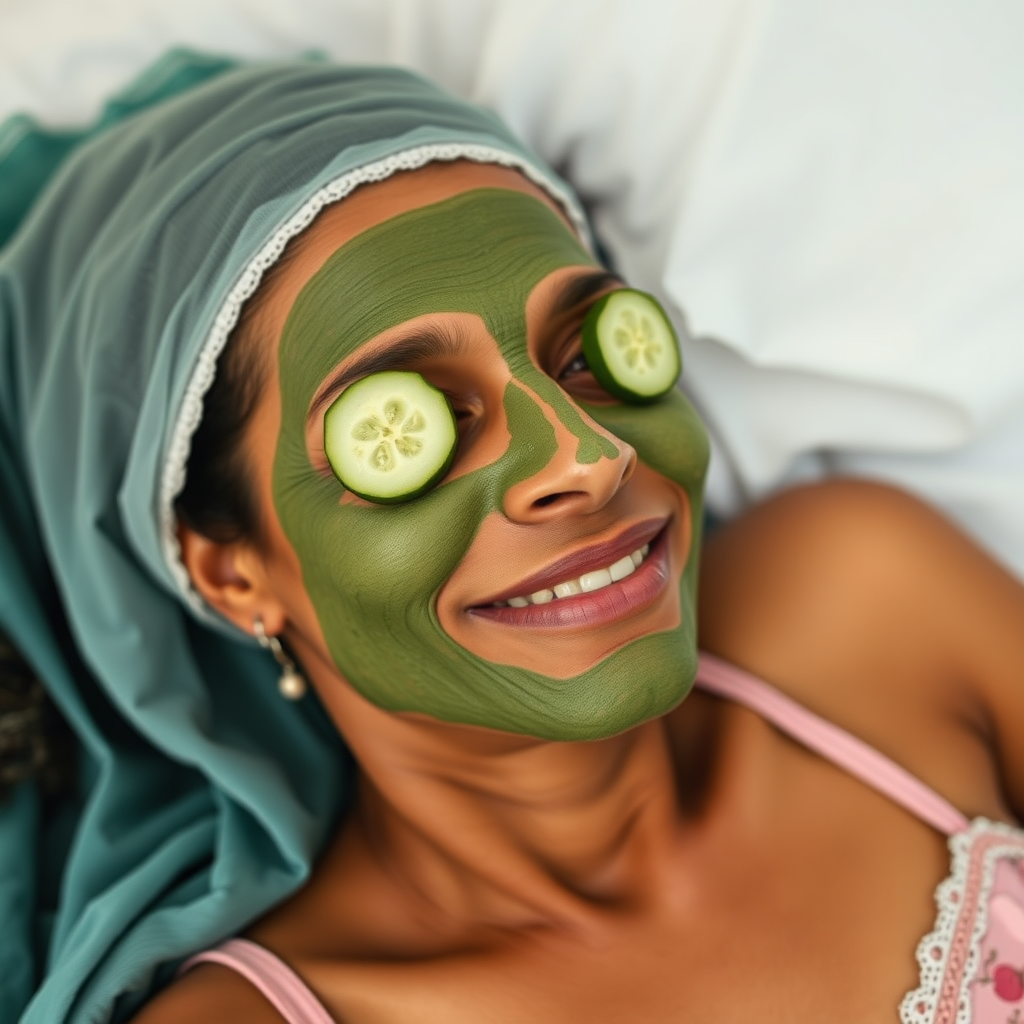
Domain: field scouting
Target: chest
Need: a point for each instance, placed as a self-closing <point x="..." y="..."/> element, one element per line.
<point x="807" y="903"/>
<point x="822" y="925"/>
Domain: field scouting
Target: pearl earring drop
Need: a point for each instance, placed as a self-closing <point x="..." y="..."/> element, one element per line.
<point x="291" y="685"/>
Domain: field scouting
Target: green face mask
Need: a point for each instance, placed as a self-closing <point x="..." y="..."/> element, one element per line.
<point x="373" y="573"/>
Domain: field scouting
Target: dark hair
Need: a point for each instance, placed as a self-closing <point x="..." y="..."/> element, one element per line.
<point x="35" y="742"/>
<point x="217" y="500"/>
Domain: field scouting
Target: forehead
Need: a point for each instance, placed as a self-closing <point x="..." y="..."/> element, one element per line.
<point x="479" y="251"/>
<point x="375" y="204"/>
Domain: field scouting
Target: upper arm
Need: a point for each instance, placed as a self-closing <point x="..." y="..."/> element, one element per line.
<point x="861" y="598"/>
<point x="983" y="608"/>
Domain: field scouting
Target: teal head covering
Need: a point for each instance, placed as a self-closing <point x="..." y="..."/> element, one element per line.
<point x="200" y="798"/>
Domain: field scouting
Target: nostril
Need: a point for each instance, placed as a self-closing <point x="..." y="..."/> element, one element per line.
<point x="548" y="499"/>
<point x="555" y="497"/>
<point x="559" y="497"/>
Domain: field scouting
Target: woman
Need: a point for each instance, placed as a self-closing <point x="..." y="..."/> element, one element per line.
<point x="542" y="827"/>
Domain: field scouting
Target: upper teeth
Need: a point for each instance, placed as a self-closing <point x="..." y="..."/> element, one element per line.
<point x="589" y="581"/>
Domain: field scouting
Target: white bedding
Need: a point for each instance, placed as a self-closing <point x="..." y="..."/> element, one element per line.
<point x="832" y="192"/>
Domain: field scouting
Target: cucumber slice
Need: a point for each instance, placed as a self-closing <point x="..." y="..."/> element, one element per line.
<point x="390" y="436"/>
<point x="631" y="347"/>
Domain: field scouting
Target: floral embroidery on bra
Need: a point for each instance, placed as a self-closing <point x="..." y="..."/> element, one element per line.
<point x="972" y="962"/>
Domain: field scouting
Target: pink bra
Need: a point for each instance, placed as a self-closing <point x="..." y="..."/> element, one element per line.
<point x="971" y="963"/>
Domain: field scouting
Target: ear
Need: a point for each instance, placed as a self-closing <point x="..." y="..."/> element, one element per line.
<point x="231" y="578"/>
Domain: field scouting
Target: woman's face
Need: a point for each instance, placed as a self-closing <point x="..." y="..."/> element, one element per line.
<point x="468" y="276"/>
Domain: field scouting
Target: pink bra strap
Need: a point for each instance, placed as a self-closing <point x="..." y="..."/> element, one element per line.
<point x="288" y="993"/>
<point x="831" y="742"/>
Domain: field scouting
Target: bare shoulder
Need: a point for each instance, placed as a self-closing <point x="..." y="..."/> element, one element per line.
<point x="835" y="557"/>
<point x="874" y="609"/>
<point x="209" y="994"/>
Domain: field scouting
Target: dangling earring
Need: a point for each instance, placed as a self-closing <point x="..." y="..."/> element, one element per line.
<point x="291" y="685"/>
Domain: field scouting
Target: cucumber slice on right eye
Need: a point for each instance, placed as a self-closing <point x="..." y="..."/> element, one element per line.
<point x="390" y="436"/>
<point x="631" y="347"/>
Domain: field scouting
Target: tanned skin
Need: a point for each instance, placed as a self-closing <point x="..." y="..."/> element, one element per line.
<point x="700" y="867"/>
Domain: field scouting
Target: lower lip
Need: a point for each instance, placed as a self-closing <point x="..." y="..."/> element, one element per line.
<point x="609" y="604"/>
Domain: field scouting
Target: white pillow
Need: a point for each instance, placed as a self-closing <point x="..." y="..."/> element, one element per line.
<point x="833" y="193"/>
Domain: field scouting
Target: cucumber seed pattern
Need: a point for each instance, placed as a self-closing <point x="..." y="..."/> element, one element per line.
<point x="390" y="436"/>
<point x="631" y="346"/>
<point x="393" y="433"/>
<point x="635" y="335"/>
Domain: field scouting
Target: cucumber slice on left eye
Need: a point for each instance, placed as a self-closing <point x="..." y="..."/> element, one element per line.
<point x="631" y="346"/>
<point x="390" y="436"/>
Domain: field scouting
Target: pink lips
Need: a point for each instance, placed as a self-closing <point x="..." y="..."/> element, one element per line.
<point x="598" y="607"/>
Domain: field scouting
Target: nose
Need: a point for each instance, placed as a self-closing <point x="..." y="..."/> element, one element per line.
<point x="587" y="468"/>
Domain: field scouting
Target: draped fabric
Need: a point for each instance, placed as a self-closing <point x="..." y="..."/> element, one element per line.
<point x="200" y="798"/>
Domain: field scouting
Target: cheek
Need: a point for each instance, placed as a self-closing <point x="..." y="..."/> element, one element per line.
<point x="668" y="436"/>
<point x="384" y="557"/>
<point x="367" y="562"/>
<point x="372" y="573"/>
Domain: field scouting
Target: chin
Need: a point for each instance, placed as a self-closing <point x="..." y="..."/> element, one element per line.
<point x="638" y="682"/>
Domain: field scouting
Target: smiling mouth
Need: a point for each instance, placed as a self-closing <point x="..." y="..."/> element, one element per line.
<point x="587" y="583"/>
<point x="614" y="584"/>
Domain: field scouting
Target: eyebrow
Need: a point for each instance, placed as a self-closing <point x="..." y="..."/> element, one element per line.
<point x="428" y="342"/>
<point x="578" y="290"/>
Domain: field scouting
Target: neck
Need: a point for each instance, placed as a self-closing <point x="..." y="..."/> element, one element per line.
<point x="514" y="831"/>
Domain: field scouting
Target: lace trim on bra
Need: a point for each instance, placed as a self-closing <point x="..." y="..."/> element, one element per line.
<point x="948" y="955"/>
<point x="191" y="411"/>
